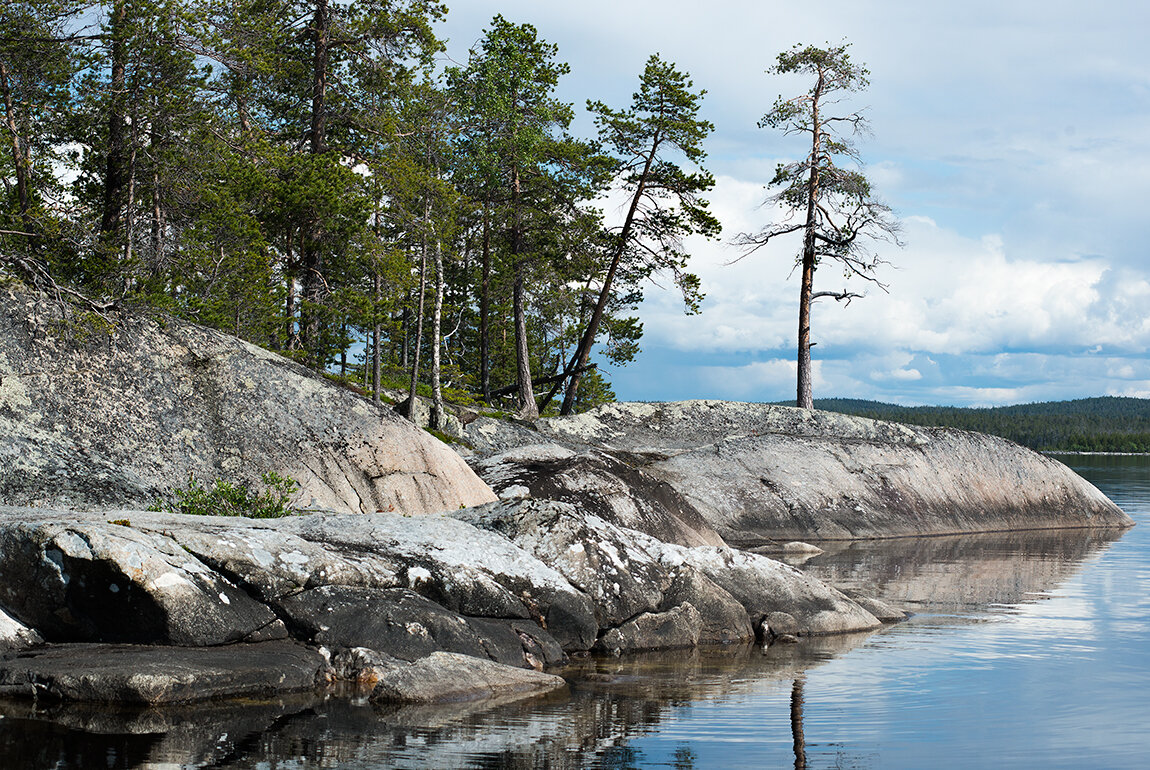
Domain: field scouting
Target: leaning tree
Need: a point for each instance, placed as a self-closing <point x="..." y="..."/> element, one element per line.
<point x="824" y="196"/>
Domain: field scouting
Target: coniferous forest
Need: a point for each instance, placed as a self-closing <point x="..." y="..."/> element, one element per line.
<point x="314" y="177"/>
<point x="1107" y="424"/>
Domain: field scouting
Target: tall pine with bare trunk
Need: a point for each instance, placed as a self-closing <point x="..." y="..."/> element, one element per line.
<point x="824" y="196"/>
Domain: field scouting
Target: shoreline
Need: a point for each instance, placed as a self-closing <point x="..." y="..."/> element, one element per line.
<point x="1088" y="454"/>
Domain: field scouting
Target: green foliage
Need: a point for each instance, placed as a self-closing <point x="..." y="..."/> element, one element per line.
<point x="223" y="498"/>
<point x="288" y="172"/>
<point x="80" y="327"/>
<point x="1107" y="424"/>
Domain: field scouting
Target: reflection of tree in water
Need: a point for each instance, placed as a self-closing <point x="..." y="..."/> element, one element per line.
<point x="800" y="742"/>
<point x="613" y="704"/>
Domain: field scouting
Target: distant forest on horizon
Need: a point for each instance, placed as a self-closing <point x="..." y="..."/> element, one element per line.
<point x="1102" y="424"/>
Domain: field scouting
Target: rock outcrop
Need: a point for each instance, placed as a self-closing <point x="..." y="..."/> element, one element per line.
<point x="409" y="574"/>
<point x="629" y="574"/>
<point x="755" y="472"/>
<point x="114" y="413"/>
<point x="518" y="584"/>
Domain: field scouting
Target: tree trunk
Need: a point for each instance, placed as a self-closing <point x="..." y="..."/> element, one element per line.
<point x="343" y="349"/>
<point x="115" y="181"/>
<point x="412" y="390"/>
<point x="437" y="421"/>
<point x="314" y="286"/>
<point x="19" y="154"/>
<point x="129" y="206"/>
<point x="583" y="352"/>
<point x="803" y="395"/>
<point x="804" y="398"/>
<point x="156" y="147"/>
<point x="485" y="307"/>
<point x="528" y="409"/>
<point x="376" y="362"/>
<point x="291" y="340"/>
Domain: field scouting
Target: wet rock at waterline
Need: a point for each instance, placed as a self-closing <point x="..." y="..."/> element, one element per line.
<point x="680" y="626"/>
<point x="142" y="674"/>
<point x="114" y="412"/>
<point x="444" y="677"/>
<point x="409" y="627"/>
<point x="149" y="577"/>
<point x="518" y="583"/>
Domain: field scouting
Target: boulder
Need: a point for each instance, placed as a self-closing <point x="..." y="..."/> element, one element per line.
<point x="160" y="674"/>
<point x="444" y="677"/>
<point x="452" y="426"/>
<point x="79" y="578"/>
<point x="487" y="436"/>
<point x="680" y="626"/>
<point x="762" y="586"/>
<point x="609" y="487"/>
<point x="603" y="561"/>
<point x="724" y="620"/>
<point x="757" y="472"/>
<point x="116" y="412"/>
<point x="14" y="635"/>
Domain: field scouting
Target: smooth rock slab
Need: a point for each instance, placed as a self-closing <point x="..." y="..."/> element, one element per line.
<point x="159" y="674"/>
<point x="609" y="487"/>
<point x="757" y="472"/>
<point x="443" y="677"/>
<point x="113" y="415"/>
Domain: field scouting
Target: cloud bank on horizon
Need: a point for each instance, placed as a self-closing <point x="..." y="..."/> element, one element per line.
<point x="1011" y="139"/>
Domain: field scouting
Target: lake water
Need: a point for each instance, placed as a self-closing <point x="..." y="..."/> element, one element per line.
<point x="1025" y="651"/>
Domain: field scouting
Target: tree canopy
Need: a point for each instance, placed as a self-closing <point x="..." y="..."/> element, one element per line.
<point x="311" y="176"/>
<point x="824" y="197"/>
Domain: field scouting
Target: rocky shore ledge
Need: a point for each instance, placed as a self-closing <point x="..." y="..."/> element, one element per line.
<point x="754" y="473"/>
<point x="406" y="572"/>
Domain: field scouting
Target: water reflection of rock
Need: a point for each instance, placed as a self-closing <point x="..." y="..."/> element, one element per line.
<point x="960" y="573"/>
<point x="611" y="702"/>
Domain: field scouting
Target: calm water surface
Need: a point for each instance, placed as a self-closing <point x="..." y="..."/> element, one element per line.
<point x="1025" y="651"/>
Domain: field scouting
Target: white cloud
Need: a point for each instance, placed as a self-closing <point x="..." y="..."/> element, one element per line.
<point x="901" y="375"/>
<point x="1017" y="162"/>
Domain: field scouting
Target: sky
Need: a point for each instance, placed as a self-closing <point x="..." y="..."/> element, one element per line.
<point x="1011" y="138"/>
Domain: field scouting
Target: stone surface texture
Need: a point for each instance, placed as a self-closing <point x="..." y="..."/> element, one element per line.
<point x="628" y="573"/>
<point x="152" y="675"/>
<point x="113" y="414"/>
<point x="756" y="472"/>
<point x="444" y="677"/>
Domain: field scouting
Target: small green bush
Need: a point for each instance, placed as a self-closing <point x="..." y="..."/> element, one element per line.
<point x="224" y="498"/>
